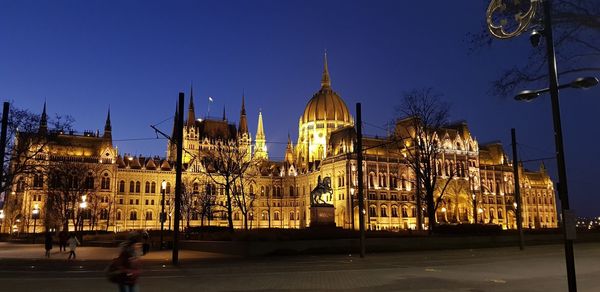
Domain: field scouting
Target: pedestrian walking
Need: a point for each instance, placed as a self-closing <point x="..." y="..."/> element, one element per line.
<point x="48" y="243"/>
<point x="145" y="242"/>
<point x="63" y="236"/>
<point x="73" y="243"/>
<point x="125" y="269"/>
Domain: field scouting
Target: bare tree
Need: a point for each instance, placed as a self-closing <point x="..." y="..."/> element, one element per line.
<point x="69" y="183"/>
<point x="424" y="118"/>
<point x="577" y="41"/>
<point x="245" y="201"/>
<point x="225" y="163"/>
<point x="25" y="156"/>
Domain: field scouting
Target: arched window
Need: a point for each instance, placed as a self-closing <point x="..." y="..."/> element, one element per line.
<point x="131" y="187"/>
<point x="133" y="215"/>
<point x="38" y="180"/>
<point x="147" y="187"/>
<point x="105" y="182"/>
<point x="394" y="211"/>
<point x="195" y="188"/>
<point x="276" y="216"/>
<point x="252" y="189"/>
<point x="137" y="187"/>
<point x="264" y="215"/>
<point x="403" y="182"/>
<point x="383" y="211"/>
<point x="103" y="214"/>
<point x="20" y="185"/>
<point x="168" y="188"/>
<point x="291" y="191"/>
<point x="292" y="216"/>
<point x="500" y="215"/>
<point x="148" y="215"/>
<point x="236" y="216"/>
<point x="371" y="180"/>
<point x="404" y="211"/>
<point x="122" y="186"/>
<point x="89" y="182"/>
<point x="153" y="187"/>
<point x="372" y="211"/>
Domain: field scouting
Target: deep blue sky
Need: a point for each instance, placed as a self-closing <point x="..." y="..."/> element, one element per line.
<point x="135" y="56"/>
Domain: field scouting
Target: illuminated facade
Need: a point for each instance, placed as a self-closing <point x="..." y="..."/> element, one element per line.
<point x="128" y="188"/>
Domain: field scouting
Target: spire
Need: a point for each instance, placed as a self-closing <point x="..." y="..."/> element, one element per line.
<point x="260" y="132"/>
<point x="224" y="116"/>
<point x="191" y="115"/>
<point x="107" y="127"/>
<point x="243" y="125"/>
<point x="325" y="81"/>
<point x="43" y="121"/>
<point x="289" y="151"/>
<point x="260" y="146"/>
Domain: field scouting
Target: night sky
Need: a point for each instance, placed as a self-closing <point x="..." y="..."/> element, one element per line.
<point x="135" y="56"/>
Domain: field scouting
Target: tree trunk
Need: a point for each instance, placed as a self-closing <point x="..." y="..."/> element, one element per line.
<point x="229" y="209"/>
<point x="431" y="212"/>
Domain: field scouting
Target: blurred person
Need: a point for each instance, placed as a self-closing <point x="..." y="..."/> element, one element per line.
<point x="48" y="243"/>
<point x="125" y="269"/>
<point x="73" y="243"/>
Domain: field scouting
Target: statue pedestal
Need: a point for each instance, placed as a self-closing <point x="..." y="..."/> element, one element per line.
<point x="322" y="216"/>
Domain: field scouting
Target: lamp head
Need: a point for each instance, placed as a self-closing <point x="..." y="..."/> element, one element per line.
<point x="584" y="82"/>
<point x="535" y="37"/>
<point x="527" y="95"/>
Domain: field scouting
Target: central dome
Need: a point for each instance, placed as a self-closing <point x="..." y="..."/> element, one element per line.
<point x="326" y="105"/>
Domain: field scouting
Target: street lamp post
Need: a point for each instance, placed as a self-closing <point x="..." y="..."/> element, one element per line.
<point x="35" y="214"/>
<point x="82" y="206"/>
<point x="499" y="30"/>
<point x="162" y="213"/>
<point x="1" y="220"/>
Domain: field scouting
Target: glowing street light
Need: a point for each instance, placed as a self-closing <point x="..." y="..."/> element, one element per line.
<point x="163" y="188"/>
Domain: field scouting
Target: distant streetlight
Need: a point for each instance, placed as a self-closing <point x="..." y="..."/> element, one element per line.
<point x="35" y="214"/>
<point x="162" y="213"/>
<point x="1" y="220"/>
<point x="82" y="206"/>
<point x="579" y="83"/>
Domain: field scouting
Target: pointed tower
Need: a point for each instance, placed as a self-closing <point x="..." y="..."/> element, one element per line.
<point x="325" y="80"/>
<point x="43" y="129"/>
<point x="191" y="115"/>
<point x="260" y="144"/>
<point x="289" y="151"/>
<point x="224" y="116"/>
<point x="243" y="125"/>
<point x="107" y="128"/>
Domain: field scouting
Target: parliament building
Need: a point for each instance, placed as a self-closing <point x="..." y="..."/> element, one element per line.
<point x="125" y="191"/>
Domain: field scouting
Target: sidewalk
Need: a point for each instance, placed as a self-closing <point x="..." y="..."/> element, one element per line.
<point x="90" y="253"/>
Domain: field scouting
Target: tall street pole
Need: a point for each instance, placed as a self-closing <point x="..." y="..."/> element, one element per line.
<point x="518" y="201"/>
<point x="163" y="216"/>
<point x="5" y="111"/>
<point x="359" y="162"/>
<point x="178" y="189"/>
<point x="567" y="214"/>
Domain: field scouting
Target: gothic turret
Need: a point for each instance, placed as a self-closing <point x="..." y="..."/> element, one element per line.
<point x="243" y="126"/>
<point x="289" y="151"/>
<point x="260" y="144"/>
<point x="107" y="128"/>
<point x="191" y="115"/>
<point x="43" y="130"/>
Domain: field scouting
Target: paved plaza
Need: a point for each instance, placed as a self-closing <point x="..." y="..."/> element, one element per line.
<point x="538" y="268"/>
